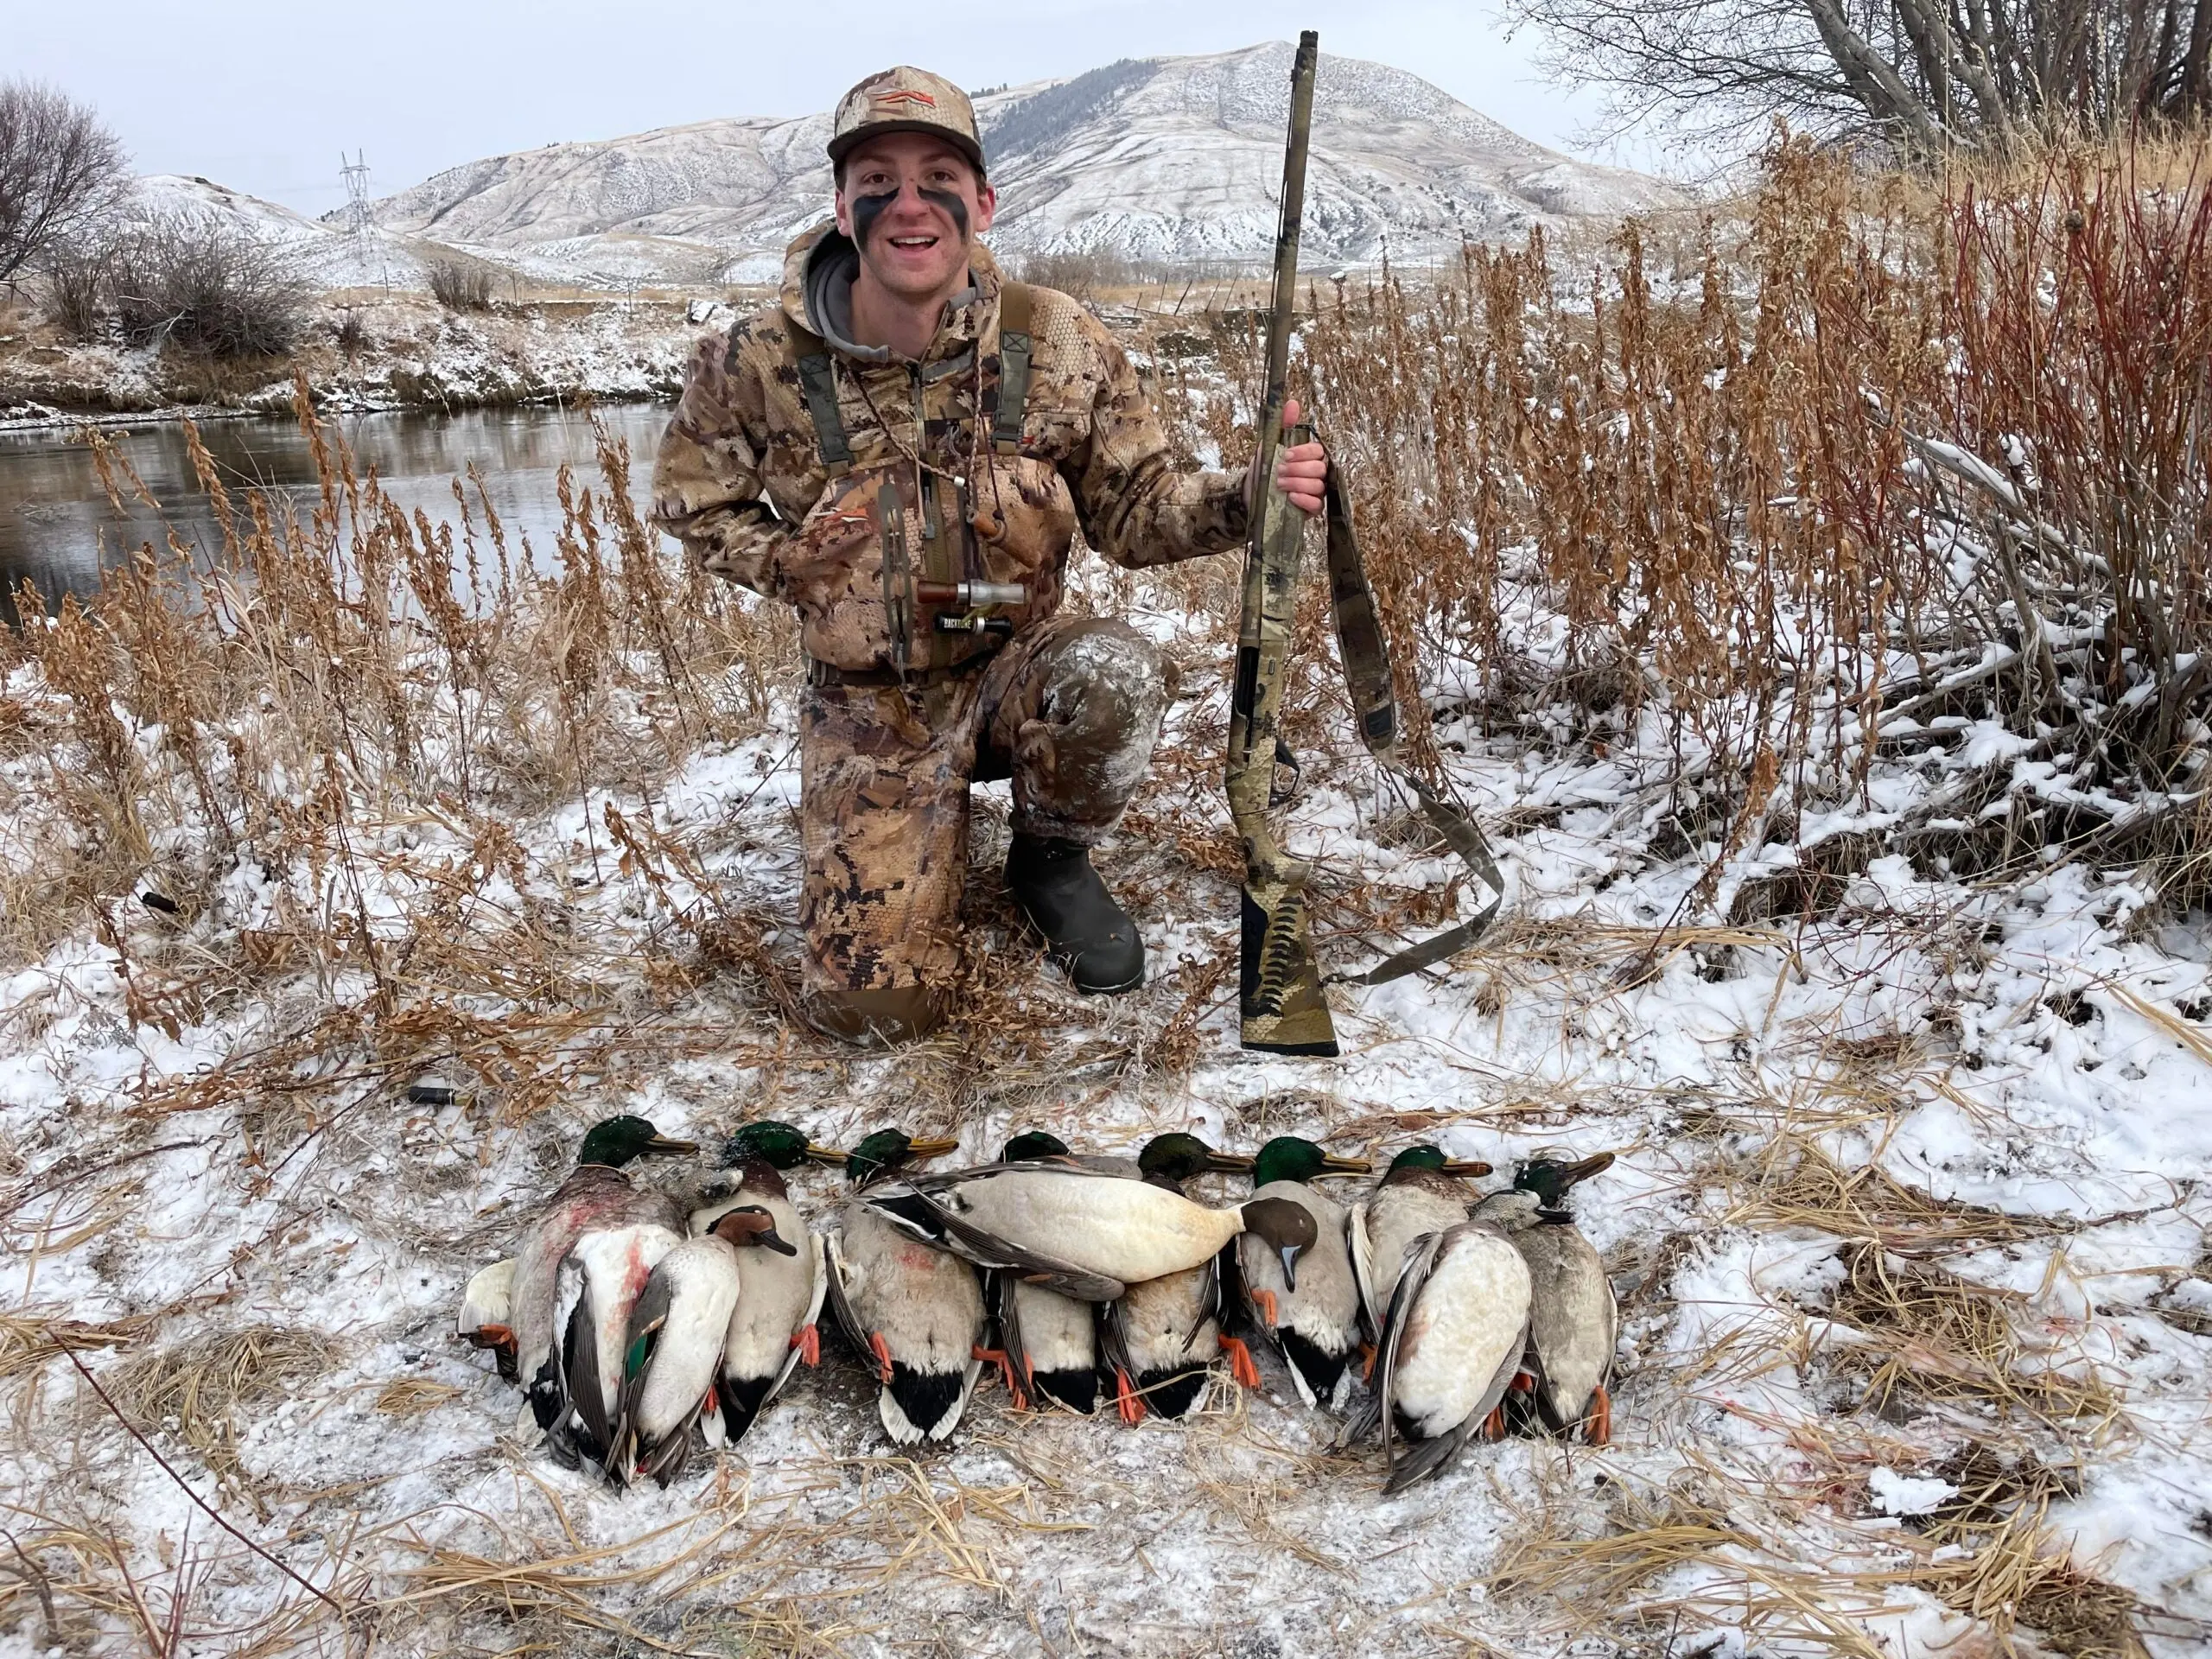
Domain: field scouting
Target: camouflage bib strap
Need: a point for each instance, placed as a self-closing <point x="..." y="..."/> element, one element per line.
<point x="818" y="383"/>
<point x="1366" y="660"/>
<point x="1016" y="306"/>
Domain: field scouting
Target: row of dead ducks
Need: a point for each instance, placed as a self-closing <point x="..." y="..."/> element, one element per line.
<point x="633" y="1315"/>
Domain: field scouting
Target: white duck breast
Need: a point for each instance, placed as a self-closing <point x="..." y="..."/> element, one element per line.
<point x="1317" y="1324"/>
<point x="1464" y="1333"/>
<point x="919" y="1311"/>
<point x="691" y="1294"/>
<point x="782" y="1298"/>
<point x="1399" y="1213"/>
<point x="1573" y="1320"/>
<point x="1059" y="1334"/>
<point x="608" y="1271"/>
<point x="1166" y="1335"/>
<point x="1102" y="1223"/>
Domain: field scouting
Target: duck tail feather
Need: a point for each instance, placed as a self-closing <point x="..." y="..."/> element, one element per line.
<point x="742" y="1399"/>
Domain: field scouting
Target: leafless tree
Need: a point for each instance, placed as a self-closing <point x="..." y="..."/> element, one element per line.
<point x="60" y="169"/>
<point x="204" y="287"/>
<point x="460" y="285"/>
<point x="1921" y="76"/>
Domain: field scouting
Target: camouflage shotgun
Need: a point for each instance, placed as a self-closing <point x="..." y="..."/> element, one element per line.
<point x="1278" y="988"/>
<point x="1279" y="998"/>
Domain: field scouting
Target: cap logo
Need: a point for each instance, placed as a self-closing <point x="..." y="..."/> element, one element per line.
<point x="904" y="95"/>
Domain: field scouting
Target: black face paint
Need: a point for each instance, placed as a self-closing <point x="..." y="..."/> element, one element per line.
<point x="954" y="209"/>
<point x="868" y="209"/>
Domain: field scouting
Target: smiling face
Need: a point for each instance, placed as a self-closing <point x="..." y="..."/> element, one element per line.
<point x="912" y="205"/>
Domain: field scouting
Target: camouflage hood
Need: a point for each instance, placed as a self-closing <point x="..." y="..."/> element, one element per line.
<point x="817" y="295"/>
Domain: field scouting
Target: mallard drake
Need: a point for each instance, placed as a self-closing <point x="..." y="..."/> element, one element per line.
<point x="917" y="1311"/>
<point x="485" y="1301"/>
<point x="1161" y="1334"/>
<point x="1453" y="1340"/>
<point x="1047" y="1343"/>
<point x="1315" y="1326"/>
<point x="1083" y="1231"/>
<point x="596" y="1194"/>
<point x="1573" y="1320"/>
<point x="672" y="1351"/>
<point x="598" y="1285"/>
<point x="1422" y="1191"/>
<point x="775" y="1323"/>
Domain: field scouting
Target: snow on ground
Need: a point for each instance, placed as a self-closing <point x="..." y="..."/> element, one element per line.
<point x="2012" y="1087"/>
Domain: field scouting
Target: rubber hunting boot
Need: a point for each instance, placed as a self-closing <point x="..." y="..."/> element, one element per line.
<point x="1085" y="932"/>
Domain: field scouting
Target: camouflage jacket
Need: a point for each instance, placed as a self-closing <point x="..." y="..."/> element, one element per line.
<point x="741" y="481"/>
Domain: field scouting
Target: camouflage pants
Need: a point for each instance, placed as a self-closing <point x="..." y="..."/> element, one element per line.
<point x="1070" y="711"/>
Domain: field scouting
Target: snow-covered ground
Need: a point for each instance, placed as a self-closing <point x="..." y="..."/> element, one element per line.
<point x="1945" y="1139"/>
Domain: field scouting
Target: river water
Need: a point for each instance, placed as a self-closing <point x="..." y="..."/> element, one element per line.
<point x="58" y="528"/>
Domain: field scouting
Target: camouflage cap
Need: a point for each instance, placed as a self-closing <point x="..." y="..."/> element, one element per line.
<point x="906" y="100"/>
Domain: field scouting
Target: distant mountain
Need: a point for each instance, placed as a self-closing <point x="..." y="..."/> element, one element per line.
<point x="1172" y="159"/>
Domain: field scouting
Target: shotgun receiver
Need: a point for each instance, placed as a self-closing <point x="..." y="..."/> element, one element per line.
<point x="1281" y="1002"/>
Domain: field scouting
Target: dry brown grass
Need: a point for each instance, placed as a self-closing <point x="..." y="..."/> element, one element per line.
<point x="2020" y="1576"/>
<point x="1736" y="476"/>
<point x="28" y="1340"/>
<point x="196" y="1390"/>
<point x="1935" y="1334"/>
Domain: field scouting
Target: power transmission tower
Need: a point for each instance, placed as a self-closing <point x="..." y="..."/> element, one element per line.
<point x="360" y="223"/>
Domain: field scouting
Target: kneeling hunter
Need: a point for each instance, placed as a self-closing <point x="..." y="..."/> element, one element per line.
<point x="903" y="449"/>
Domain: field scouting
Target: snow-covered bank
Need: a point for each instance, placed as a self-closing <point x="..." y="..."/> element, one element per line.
<point x="369" y="351"/>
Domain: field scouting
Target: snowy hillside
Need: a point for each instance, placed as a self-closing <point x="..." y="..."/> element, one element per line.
<point x="1173" y="159"/>
<point x="320" y="253"/>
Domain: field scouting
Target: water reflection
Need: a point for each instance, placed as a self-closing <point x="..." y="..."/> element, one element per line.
<point x="58" y="528"/>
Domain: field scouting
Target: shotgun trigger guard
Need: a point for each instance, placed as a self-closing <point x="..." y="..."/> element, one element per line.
<point x="1283" y="794"/>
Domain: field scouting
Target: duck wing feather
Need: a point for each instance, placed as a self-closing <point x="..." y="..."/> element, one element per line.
<point x="647" y="1318"/>
<point x="840" y="1306"/>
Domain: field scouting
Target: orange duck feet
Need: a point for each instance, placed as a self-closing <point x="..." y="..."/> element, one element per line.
<point x="1240" y="1361"/>
<point x="1126" y="1400"/>
<point x="1598" y="1427"/>
<point x="999" y="1357"/>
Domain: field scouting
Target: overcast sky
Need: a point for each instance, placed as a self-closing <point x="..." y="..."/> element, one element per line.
<point x="262" y="95"/>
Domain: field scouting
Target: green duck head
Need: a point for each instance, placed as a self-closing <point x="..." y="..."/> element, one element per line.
<point x="1286" y="1158"/>
<point x="890" y="1150"/>
<point x="615" y="1140"/>
<point x="1178" y="1157"/>
<point x="1035" y="1144"/>
<point x="1551" y="1177"/>
<point x="1427" y="1160"/>
<point x="776" y="1145"/>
